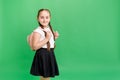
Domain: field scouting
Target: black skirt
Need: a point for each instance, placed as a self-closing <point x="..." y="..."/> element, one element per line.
<point x="44" y="63"/>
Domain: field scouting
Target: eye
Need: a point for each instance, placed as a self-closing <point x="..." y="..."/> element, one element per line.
<point x="42" y="17"/>
<point x="47" y="17"/>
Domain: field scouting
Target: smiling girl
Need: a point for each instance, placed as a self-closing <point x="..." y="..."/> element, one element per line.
<point x="42" y="40"/>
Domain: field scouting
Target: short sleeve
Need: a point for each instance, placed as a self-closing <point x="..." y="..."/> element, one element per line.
<point x="38" y="31"/>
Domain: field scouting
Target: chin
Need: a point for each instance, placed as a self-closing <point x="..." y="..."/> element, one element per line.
<point x="45" y="25"/>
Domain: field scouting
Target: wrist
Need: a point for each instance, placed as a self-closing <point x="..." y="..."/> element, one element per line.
<point x="47" y="39"/>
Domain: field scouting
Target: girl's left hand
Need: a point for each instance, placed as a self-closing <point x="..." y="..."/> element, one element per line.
<point x="56" y="34"/>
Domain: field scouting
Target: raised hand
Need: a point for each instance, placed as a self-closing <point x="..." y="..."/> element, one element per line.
<point x="56" y="34"/>
<point x="47" y="34"/>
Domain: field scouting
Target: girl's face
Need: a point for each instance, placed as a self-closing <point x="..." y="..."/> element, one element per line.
<point x="44" y="18"/>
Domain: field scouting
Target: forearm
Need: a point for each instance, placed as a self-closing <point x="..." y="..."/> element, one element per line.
<point x="39" y="44"/>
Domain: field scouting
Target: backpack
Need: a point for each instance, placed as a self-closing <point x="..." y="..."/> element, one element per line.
<point x="29" y="40"/>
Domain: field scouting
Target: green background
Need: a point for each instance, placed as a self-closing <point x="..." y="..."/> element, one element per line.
<point x="88" y="47"/>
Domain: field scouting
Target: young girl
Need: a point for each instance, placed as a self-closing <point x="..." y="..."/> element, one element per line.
<point x="42" y="41"/>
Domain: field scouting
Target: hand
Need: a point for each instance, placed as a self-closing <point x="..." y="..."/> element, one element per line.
<point x="56" y="34"/>
<point x="47" y="34"/>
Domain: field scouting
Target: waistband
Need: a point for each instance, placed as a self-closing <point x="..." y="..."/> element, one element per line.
<point x="51" y="49"/>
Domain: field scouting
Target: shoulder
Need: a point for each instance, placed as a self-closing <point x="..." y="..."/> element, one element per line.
<point x="38" y="30"/>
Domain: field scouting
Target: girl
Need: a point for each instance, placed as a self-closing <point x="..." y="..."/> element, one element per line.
<point x="42" y="41"/>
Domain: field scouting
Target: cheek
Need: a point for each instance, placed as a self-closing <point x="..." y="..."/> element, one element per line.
<point x="48" y="20"/>
<point x="40" y="20"/>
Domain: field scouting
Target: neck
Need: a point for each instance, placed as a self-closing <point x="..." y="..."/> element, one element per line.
<point x="43" y="27"/>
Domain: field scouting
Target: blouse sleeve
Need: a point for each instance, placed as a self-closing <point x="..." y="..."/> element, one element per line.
<point x="38" y="31"/>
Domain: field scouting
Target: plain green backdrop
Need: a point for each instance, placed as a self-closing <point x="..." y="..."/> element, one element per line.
<point x="88" y="47"/>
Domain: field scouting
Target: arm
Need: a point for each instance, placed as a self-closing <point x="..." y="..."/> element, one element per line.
<point x="36" y="43"/>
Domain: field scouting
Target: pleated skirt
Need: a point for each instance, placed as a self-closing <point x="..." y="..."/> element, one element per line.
<point x="44" y="63"/>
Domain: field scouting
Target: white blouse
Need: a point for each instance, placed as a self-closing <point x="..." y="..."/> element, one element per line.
<point x="41" y="32"/>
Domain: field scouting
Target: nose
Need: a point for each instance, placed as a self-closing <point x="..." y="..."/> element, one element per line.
<point x="44" y="20"/>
